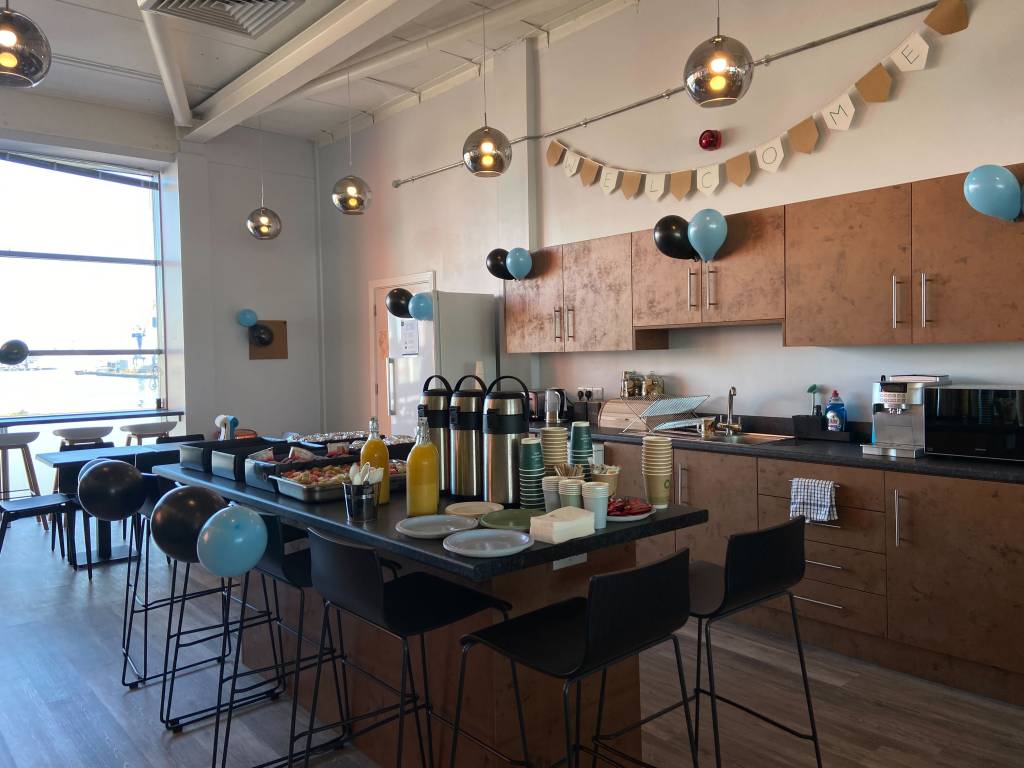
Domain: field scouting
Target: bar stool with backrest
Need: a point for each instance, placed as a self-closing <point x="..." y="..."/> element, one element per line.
<point x="759" y="566"/>
<point x="350" y="580"/>
<point x="18" y="441"/>
<point x="155" y="429"/>
<point x="65" y="481"/>
<point x="624" y="614"/>
<point x="74" y="437"/>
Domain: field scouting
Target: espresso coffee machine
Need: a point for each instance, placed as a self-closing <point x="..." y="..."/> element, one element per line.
<point x="897" y="415"/>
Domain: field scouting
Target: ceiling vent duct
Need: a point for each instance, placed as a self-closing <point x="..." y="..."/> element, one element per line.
<point x="245" y="17"/>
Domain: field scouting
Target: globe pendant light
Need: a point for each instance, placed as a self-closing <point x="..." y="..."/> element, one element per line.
<point x="487" y="151"/>
<point x="24" y="50"/>
<point x="719" y="70"/>
<point x="263" y="223"/>
<point x="351" y="194"/>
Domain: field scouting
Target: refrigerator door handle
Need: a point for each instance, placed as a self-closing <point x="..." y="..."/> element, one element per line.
<point x="392" y="409"/>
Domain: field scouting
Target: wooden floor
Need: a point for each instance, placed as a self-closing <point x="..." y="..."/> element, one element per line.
<point x="62" y="704"/>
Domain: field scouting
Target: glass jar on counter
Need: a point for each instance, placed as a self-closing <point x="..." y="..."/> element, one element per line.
<point x="653" y="385"/>
<point x="632" y="384"/>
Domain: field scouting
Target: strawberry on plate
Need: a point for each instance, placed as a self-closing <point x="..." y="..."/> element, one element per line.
<point x="627" y="507"/>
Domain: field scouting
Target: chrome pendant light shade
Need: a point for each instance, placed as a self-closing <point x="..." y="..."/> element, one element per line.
<point x="487" y="152"/>
<point x="24" y="50"/>
<point x="719" y="72"/>
<point x="263" y="224"/>
<point x="352" y="195"/>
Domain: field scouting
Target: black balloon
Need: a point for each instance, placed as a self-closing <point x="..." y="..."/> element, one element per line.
<point x="13" y="352"/>
<point x="496" y="264"/>
<point x="261" y="335"/>
<point x="179" y="516"/>
<point x="671" y="238"/>
<point x="397" y="302"/>
<point x="89" y="465"/>
<point x="111" y="490"/>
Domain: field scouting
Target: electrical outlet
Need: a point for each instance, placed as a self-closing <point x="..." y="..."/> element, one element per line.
<point x="595" y="393"/>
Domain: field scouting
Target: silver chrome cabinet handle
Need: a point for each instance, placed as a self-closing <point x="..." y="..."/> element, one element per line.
<point x="689" y="289"/>
<point x="558" y="323"/>
<point x="826" y="525"/>
<point x="679" y="484"/>
<point x="896" y="510"/>
<point x="819" y="602"/>
<point x="924" y="299"/>
<point x="895" y="302"/>
<point x="825" y="565"/>
<point x="570" y="323"/>
<point x="710" y="302"/>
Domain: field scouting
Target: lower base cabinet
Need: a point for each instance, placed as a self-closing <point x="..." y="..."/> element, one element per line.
<point x="726" y="486"/>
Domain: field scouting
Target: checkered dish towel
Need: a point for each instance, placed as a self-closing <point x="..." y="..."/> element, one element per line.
<point x="814" y="499"/>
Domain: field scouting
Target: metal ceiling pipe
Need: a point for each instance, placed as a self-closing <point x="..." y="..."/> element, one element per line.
<point x="380" y="62"/>
<point x="170" y="71"/>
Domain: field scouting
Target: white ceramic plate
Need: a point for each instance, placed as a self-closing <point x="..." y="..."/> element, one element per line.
<point x="486" y="542"/>
<point x="630" y="518"/>
<point x="472" y="508"/>
<point x="434" y="526"/>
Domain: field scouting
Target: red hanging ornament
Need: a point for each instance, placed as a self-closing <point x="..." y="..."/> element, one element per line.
<point x="710" y="140"/>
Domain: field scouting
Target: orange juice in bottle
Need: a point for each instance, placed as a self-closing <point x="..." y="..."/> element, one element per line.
<point x="421" y="480"/>
<point x="375" y="453"/>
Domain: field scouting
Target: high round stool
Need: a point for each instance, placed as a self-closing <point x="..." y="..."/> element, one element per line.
<point x="18" y="441"/>
<point x="82" y="435"/>
<point x="155" y="429"/>
<point x="759" y="566"/>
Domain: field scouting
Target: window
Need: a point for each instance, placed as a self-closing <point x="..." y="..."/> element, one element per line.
<point x="80" y="285"/>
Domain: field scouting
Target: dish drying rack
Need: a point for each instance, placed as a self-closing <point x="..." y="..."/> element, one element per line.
<point x="653" y="413"/>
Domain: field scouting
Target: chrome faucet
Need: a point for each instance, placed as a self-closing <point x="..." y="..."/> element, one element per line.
<point x="732" y="425"/>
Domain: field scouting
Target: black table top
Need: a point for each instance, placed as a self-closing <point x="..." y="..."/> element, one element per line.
<point x="68" y="418"/>
<point x="381" y="534"/>
<point x="58" y="459"/>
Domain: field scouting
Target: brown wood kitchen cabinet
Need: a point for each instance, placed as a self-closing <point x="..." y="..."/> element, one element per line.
<point x="724" y="484"/>
<point x="848" y="269"/>
<point x="626" y="456"/>
<point x="967" y="267"/>
<point x="955" y="567"/>
<point x="534" y="319"/>
<point x="666" y="292"/>
<point x="598" y="303"/>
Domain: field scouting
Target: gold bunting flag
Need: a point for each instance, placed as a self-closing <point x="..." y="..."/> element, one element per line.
<point x="589" y="172"/>
<point x="737" y="169"/>
<point x="948" y="16"/>
<point x="803" y="136"/>
<point x="875" y="85"/>
<point x="679" y="184"/>
<point x="556" y="151"/>
<point x="631" y="183"/>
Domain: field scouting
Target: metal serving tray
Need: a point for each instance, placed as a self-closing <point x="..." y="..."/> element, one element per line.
<point x="200" y="455"/>
<point x="311" y="494"/>
<point x="258" y="473"/>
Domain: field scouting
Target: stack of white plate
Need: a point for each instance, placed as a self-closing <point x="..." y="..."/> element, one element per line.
<point x="554" y="446"/>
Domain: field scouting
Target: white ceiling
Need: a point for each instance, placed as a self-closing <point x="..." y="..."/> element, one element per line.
<point x="102" y="54"/>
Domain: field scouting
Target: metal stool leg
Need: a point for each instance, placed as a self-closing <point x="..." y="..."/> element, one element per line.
<point x="519" y="712"/>
<point x="570" y="750"/>
<point x="600" y="714"/>
<point x="316" y="682"/>
<point x="426" y="701"/>
<point x="401" y="703"/>
<point x="807" y="684"/>
<point x="87" y="533"/>
<point x="714" y="700"/>
<point x="234" y="680"/>
<point x="696" y="689"/>
<point x="458" y="704"/>
<point x="686" y="703"/>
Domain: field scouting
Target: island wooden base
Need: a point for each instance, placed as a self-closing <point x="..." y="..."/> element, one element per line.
<point x="489" y="708"/>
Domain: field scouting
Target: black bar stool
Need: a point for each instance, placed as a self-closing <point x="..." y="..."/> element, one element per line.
<point x="624" y="614"/>
<point x="350" y="580"/>
<point x="759" y="566"/>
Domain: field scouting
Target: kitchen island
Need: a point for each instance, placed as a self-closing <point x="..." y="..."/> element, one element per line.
<point x="541" y="575"/>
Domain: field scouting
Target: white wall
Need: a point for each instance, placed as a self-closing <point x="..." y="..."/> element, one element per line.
<point x="223" y="268"/>
<point x="960" y="112"/>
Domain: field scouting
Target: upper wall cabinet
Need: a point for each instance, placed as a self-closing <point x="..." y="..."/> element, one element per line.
<point x="666" y="292"/>
<point x="968" y="268"/>
<point x="598" y="299"/>
<point x="848" y="269"/>
<point x="746" y="282"/>
<point x="534" y="319"/>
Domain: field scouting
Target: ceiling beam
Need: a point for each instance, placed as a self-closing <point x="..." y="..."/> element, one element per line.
<point x="337" y="36"/>
<point x="170" y="70"/>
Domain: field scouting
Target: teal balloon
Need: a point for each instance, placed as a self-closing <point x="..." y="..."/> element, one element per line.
<point x="707" y="232"/>
<point x="994" y="191"/>
<point x="421" y="306"/>
<point x="232" y="541"/>
<point x="247" y="318"/>
<point x="519" y="263"/>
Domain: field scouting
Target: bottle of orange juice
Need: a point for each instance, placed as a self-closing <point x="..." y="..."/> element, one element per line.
<point x="421" y="481"/>
<point x="375" y="453"/>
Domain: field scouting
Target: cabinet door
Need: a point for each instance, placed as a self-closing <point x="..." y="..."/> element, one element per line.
<point x="967" y="267"/>
<point x="955" y="567"/>
<point x="631" y="483"/>
<point x="596" y="276"/>
<point x="747" y="280"/>
<point x="848" y="269"/>
<point x="534" y="317"/>
<point x="727" y="487"/>
<point x="666" y="292"/>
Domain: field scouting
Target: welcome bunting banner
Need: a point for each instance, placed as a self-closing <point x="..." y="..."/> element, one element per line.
<point x="874" y="87"/>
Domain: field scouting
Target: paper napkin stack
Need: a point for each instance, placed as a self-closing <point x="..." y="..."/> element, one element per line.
<point x="561" y="525"/>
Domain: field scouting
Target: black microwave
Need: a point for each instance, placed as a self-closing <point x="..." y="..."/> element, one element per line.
<point x="983" y="422"/>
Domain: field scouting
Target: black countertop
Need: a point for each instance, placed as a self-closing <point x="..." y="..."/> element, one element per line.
<point x="381" y="534"/>
<point x="843" y="454"/>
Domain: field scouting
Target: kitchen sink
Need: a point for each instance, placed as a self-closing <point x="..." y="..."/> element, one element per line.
<point x="742" y="438"/>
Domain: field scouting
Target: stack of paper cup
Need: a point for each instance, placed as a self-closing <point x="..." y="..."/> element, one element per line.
<point x="531" y="470"/>
<point x="570" y="491"/>
<point x="552" y="499"/>
<point x="581" y="446"/>
<point x="595" y="499"/>
<point x="554" y="443"/>
<point x="656" y="463"/>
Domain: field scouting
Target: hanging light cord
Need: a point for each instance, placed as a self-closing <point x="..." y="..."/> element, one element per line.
<point x="718" y="18"/>
<point x="483" y="60"/>
<point x="348" y="80"/>
<point x="669" y="93"/>
<point x="259" y="130"/>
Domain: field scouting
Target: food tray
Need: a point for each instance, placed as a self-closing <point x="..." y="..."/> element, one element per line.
<point x="258" y="473"/>
<point x="199" y="455"/>
<point x="311" y="494"/>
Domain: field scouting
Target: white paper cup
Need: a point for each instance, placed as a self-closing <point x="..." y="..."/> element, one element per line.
<point x="599" y="506"/>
